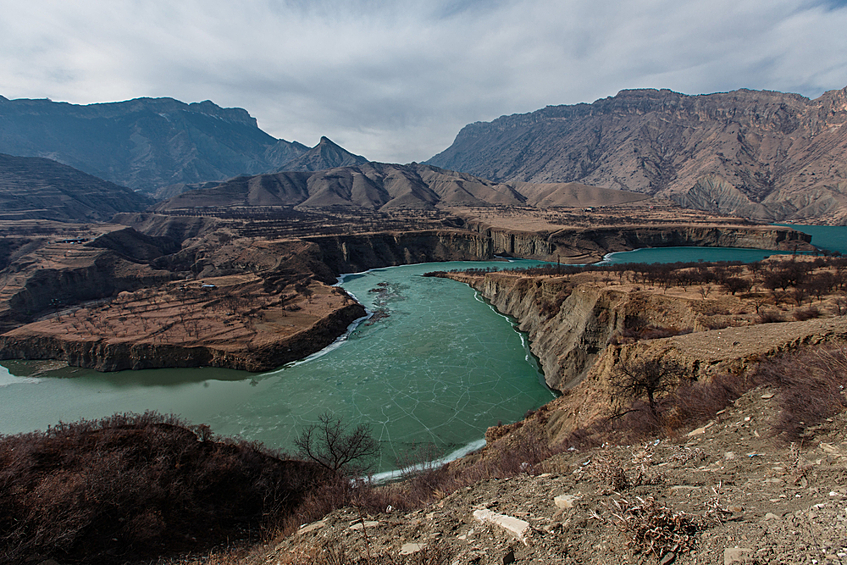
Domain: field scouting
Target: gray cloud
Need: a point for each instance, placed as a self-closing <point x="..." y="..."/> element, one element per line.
<point x="395" y="81"/>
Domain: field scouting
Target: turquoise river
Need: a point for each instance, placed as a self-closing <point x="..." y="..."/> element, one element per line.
<point x="434" y="367"/>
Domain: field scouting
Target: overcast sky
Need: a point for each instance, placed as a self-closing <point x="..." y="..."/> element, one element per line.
<point x="396" y="80"/>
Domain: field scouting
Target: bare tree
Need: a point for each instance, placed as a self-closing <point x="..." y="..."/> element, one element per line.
<point x="648" y="378"/>
<point x="329" y="444"/>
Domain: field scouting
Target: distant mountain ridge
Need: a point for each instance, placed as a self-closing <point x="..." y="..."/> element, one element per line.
<point x="766" y="155"/>
<point x="37" y="188"/>
<point x="150" y="143"/>
<point x="382" y="186"/>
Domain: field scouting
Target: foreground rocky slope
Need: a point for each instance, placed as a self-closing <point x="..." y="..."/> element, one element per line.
<point x="765" y="155"/>
<point x="728" y="492"/>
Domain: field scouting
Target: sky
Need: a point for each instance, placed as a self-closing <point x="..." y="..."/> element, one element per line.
<point x="395" y="81"/>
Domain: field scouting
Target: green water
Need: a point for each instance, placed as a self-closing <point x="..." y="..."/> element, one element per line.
<point x="436" y="367"/>
<point x="831" y="238"/>
<point x="686" y="254"/>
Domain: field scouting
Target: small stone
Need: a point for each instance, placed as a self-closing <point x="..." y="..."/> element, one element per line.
<point x="729" y="455"/>
<point x="516" y="527"/>
<point x="770" y="516"/>
<point x="735" y="555"/>
<point x="306" y="528"/>
<point x="767" y="396"/>
<point x="697" y="432"/>
<point x="668" y="558"/>
<point x="829" y="448"/>
<point x="509" y="557"/>
<point x="410" y="548"/>
<point x="565" y="501"/>
<point x="735" y="509"/>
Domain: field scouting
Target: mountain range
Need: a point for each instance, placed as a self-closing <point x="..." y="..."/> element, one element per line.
<point x="150" y="143"/>
<point x="382" y="186"/>
<point x="765" y="155"/>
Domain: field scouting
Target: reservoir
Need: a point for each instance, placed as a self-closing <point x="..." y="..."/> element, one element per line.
<point x="434" y="366"/>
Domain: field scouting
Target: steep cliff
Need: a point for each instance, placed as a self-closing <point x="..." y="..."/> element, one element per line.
<point x="594" y="243"/>
<point x="356" y="253"/>
<point x="570" y="325"/>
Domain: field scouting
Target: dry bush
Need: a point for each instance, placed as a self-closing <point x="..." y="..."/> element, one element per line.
<point x="131" y="487"/>
<point x="811" y="388"/>
<point x="700" y="400"/>
<point x="770" y="317"/>
<point x="654" y="528"/>
<point x="807" y="313"/>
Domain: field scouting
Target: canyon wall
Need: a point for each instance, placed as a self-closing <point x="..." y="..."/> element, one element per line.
<point x="356" y="253"/>
<point x="566" y="338"/>
<point x="591" y="244"/>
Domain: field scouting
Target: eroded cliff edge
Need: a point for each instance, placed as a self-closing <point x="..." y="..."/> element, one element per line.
<point x="257" y="281"/>
<point x="583" y="328"/>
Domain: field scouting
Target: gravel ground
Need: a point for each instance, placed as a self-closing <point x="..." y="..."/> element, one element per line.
<point x="725" y="493"/>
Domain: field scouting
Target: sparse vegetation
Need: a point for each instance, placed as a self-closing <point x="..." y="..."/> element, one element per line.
<point x="133" y="487"/>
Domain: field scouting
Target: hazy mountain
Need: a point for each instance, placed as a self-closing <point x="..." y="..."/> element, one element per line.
<point x="36" y="188"/>
<point x="766" y="155"/>
<point x="144" y="143"/>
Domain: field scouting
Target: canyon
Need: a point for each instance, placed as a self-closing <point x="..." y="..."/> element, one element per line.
<point x="150" y="293"/>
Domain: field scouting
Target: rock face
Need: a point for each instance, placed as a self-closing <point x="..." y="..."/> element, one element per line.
<point x="596" y="242"/>
<point x="765" y="155"/>
<point x="42" y="189"/>
<point x="568" y="343"/>
<point x="144" y="143"/>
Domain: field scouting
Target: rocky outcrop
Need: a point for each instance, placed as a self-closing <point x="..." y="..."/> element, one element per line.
<point x="594" y="243"/>
<point x="356" y="253"/>
<point x="104" y="355"/>
<point x="568" y="342"/>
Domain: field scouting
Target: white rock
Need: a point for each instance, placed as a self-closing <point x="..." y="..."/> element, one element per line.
<point x="410" y="548"/>
<point x="514" y="526"/>
<point x="360" y="525"/>
<point x="735" y="555"/>
<point x="306" y="528"/>
<point x="564" y="501"/>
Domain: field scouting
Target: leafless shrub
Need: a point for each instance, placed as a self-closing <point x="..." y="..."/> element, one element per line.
<point x="654" y="528"/>
<point x="329" y="444"/>
<point x="810" y="389"/>
<point x="808" y="313"/>
<point x="770" y="317"/>
<point x="148" y="481"/>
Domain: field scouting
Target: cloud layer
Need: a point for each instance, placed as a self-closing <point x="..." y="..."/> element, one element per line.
<point x="396" y="80"/>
